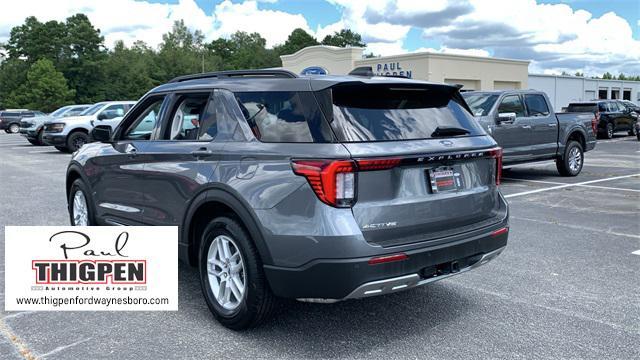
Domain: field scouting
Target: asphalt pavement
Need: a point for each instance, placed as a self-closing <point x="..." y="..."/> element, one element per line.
<point x="567" y="286"/>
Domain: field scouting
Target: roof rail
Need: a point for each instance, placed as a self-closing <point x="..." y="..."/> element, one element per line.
<point x="277" y="73"/>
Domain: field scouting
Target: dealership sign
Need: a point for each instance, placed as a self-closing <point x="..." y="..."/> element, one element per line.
<point x="392" y="68"/>
<point x="91" y="268"/>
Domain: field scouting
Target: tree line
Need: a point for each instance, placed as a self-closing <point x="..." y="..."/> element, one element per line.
<point x="45" y="65"/>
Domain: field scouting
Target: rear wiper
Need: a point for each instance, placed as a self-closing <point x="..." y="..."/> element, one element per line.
<point x="444" y="131"/>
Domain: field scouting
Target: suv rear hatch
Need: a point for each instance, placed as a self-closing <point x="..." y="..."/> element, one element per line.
<point x="425" y="169"/>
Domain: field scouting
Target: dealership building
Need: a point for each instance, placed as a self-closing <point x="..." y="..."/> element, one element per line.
<point x="473" y="72"/>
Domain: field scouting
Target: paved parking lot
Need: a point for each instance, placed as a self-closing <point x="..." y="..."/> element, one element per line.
<point x="567" y="286"/>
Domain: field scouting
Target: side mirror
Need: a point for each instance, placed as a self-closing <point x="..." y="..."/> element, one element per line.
<point x="101" y="133"/>
<point x="507" y="118"/>
<point x="103" y="116"/>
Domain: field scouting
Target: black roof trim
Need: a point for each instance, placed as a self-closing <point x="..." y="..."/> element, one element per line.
<point x="276" y="73"/>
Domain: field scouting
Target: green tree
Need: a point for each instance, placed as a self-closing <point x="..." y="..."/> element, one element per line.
<point x="622" y="77"/>
<point x="298" y="39"/>
<point x="607" y="75"/>
<point x="344" y="38"/>
<point x="129" y="71"/>
<point x="34" y="40"/>
<point x="578" y="73"/>
<point x="45" y="88"/>
<point x="244" y="51"/>
<point x="13" y="73"/>
<point x="180" y="52"/>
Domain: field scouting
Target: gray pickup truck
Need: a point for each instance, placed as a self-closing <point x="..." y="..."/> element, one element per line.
<point x="524" y="124"/>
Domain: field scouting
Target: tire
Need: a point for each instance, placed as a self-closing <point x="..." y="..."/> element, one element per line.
<point x="79" y="186"/>
<point x="33" y="142"/>
<point x="257" y="302"/>
<point x="608" y="134"/>
<point x="572" y="160"/>
<point x="76" y="140"/>
<point x="62" y="148"/>
<point x="633" y="131"/>
<point x="40" y="139"/>
<point x="13" y="128"/>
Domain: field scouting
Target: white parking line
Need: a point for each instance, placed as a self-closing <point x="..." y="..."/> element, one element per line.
<point x="637" y="252"/>
<point x="568" y="185"/>
<point x="577" y="227"/>
<point x="579" y="185"/>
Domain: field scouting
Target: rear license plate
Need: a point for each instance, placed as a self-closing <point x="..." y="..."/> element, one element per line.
<point x="444" y="179"/>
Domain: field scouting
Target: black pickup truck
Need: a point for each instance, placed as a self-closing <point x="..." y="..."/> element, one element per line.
<point x="525" y="126"/>
<point x="612" y="115"/>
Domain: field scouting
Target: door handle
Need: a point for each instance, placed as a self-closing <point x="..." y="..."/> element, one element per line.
<point x="526" y="126"/>
<point x="202" y="152"/>
<point x="552" y="125"/>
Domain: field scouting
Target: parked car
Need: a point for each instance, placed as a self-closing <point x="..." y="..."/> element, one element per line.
<point x="612" y="116"/>
<point x="33" y="128"/>
<point x="316" y="188"/>
<point x="10" y="119"/>
<point x="634" y="107"/>
<point x="525" y="126"/>
<point x="69" y="134"/>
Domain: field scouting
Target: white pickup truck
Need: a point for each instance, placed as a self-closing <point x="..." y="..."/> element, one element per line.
<point x="69" y="134"/>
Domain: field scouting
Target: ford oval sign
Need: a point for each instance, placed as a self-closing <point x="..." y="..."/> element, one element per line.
<point x="446" y="142"/>
<point x="314" y="70"/>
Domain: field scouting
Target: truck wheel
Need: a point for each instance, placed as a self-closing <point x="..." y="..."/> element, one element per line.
<point x="633" y="131"/>
<point x="231" y="276"/>
<point x="33" y="142"/>
<point x="40" y="139"/>
<point x="76" y="140"/>
<point x="609" y="132"/>
<point x="571" y="162"/>
<point x="13" y="128"/>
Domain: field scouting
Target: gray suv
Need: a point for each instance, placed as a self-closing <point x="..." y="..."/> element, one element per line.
<point x="319" y="188"/>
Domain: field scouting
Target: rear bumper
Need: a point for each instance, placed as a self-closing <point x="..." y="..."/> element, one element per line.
<point x="591" y="145"/>
<point x="340" y="279"/>
<point x="55" y="140"/>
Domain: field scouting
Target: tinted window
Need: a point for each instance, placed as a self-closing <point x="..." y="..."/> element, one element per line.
<point x="382" y="113"/>
<point x="536" y="105"/>
<point x="574" y="108"/>
<point x="60" y="111"/>
<point x="28" y="114"/>
<point x="480" y="104"/>
<point x="75" y="111"/>
<point x="602" y="107"/>
<point x="8" y="113"/>
<point x="612" y="107"/>
<point x="512" y="104"/>
<point x="145" y="123"/>
<point x="284" y="116"/>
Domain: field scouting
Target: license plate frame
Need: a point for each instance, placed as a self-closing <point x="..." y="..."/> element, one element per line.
<point x="444" y="179"/>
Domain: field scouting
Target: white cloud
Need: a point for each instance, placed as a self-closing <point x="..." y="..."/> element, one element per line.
<point x="131" y="20"/>
<point x="446" y="50"/>
<point x="274" y="26"/>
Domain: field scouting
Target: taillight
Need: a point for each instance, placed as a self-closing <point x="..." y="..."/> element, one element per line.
<point x="333" y="181"/>
<point x="377" y="164"/>
<point x="594" y="123"/>
<point x="497" y="154"/>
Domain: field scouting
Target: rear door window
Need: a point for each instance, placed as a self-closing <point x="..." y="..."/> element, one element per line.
<point x="574" y="108"/>
<point x="536" y="105"/>
<point x="360" y="113"/>
<point x="284" y="116"/>
<point x="512" y="104"/>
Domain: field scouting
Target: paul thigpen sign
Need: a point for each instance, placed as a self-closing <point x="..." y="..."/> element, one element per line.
<point x="91" y="268"/>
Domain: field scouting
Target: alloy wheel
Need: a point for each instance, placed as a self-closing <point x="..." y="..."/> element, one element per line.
<point x="78" y="143"/>
<point x="226" y="272"/>
<point x="14" y="128"/>
<point x="575" y="159"/>
<point x="80" y="209"/>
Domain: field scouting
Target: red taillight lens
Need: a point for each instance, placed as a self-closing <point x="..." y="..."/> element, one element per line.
<point x="388" y="258"/>
<point x="377" y="164"/>
<point x="504" y="230"/>
<point x="333" y="181"/>
<point x="594" y="123"/>
<point x="497" y="154"/>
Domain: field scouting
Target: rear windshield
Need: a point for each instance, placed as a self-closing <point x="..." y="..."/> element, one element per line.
<point x="480" y="104"/>
<point x="574" y="108"/>
<point x="387" y="113"/>
<point x="284" y="116"/>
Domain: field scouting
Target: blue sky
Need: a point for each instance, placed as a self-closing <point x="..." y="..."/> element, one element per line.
<point x="590" y="36"/>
